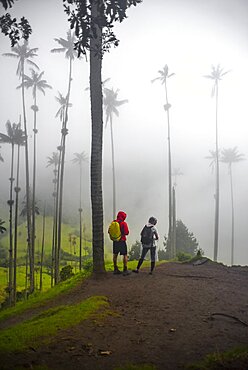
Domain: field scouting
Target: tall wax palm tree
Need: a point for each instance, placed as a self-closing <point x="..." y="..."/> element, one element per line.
<point x="163" y="77"/>
<point x="54" y="161"/>
<point x="24" y="54"/>
<point x="79" y="159"/>
<point x="20" y="141"/>
<point x="110" y="104"/>
<point x="37" y="84"/>
<point x="62" y="113"/>
<point x="14" y="136"/>
<point x="176" y="172"/>
<point x="230" y="156"/>
<point x="67" y="46"/>
<point x="216" y="75"/>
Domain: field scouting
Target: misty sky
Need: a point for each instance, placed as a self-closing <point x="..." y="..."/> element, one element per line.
<point x="189" y="36"/>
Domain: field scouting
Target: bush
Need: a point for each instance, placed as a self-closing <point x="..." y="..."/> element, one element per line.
<point x="66" y="273"/>
<point x="134" y="253"/>
<point x="88" y="265"/>
<point x="183" y="256"/>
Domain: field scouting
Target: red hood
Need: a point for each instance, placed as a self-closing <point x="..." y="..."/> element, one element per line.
<point x="121" y="216"/>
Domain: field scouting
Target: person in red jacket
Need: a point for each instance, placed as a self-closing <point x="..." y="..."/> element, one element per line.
<point x="121" y="245"/>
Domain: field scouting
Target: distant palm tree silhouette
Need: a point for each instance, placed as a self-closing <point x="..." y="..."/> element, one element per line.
<point x="13" y="137"/>
<point x="25" y="54"/>
<point x="111" y="103"/>
<point x="67" y="46"/>
<point x="163" y="77"/>
<point x="37" y="84"/>
<point x="54" y="161"/>
<point x="79" y="159"/>
<point x="230" y="156"/>
<point x="216" y="75"/>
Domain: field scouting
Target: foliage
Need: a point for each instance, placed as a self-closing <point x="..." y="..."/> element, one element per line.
<point x="40" y="328"/>
<point x="185" y="240"/>
<point x="182" y="256"/>
<point x="37" y="299"/>
<point x="13" y="29"/>
<point x="66" y="273"/>
<point x="236" y="358"/>
<point x="134" y="253"/>
<point x="88" y="265"/>
<point x="80" y="19"/>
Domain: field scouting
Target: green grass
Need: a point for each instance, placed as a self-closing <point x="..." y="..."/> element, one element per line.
<point x="40" y="328"/>
<point x="236" y="358"/>
<point x="39" y="298"/>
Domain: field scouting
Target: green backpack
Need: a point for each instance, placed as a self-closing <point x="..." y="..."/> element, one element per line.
<point x="114" y="231"/>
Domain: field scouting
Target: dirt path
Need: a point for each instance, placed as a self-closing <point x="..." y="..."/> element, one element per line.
<point x="163" y="319"/>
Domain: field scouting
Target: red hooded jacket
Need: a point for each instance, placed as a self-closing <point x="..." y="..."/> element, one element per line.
<point x="121" y="216"/>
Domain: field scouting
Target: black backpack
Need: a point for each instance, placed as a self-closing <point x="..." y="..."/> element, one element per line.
<point x="146" y="235"/>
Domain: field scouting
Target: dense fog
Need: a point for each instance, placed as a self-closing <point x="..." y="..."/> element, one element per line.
<point x="189" y="36"/>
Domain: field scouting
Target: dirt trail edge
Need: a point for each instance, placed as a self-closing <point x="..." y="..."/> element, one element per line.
<point x="162" y="319"/>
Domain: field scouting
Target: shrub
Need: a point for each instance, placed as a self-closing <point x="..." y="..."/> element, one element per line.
<point x="66" y="273"/>
<point x="182" y="256"/>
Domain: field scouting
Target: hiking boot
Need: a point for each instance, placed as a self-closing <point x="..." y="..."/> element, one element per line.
<point x="150" y="273"/>
<point x="117" y="272"/>
<point x="126" y="272"/>
<point x="136" y="271"/>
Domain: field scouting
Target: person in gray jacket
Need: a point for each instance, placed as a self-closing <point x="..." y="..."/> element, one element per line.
<point x="149" y="235"/>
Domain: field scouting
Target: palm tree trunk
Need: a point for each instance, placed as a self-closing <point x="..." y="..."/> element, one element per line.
<point x="34" y="179"/>
<point x="11" y="202"/>
<point x="42" y="246"/>
<point x="232" y="205"/>
<point x="31" y="257"/>
<point x="113" y="167"/>
<point x="80" y="217"/>
<point x="17" y="190"/>
<point x="170" y="248"/>
<point x="174" y="221"/>
<point x="64" y="133"/>
<point x="96" y="145"/>
<point x="217" y="192"/>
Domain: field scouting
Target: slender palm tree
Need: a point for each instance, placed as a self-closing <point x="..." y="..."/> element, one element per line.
<point x="37" y="84"/>
<point x="62" y="114"/>
<point x="79" y="159"/>
<point x="14" y="135"/>
<point x="230" y="156"/>
<point x="24" y="54"/>
<point x="2" y="228"/>
<point x="163" y="77"/>
<point x="54" y="161"/>
<point x="216" y="75"/>
<point x="111" y="103"/>
<point x="67" y="46"/>
<point x="20" y="141"/>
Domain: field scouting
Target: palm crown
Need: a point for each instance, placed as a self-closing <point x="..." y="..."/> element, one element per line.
<point x="216" y="74"/>
<point x="231" y="155"/>
<point x="35" y="82"/>
<point x="163" y="75"/>
<point x="15" y="135"/>
<point x="63" y="102"/>
<point x="53" y="160"/>
<point x="23" y="53"/>
<point x="80" y="158"/>
<point x="111" y="103"/>
<point x="67" y="46"/>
